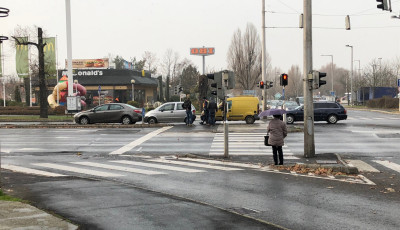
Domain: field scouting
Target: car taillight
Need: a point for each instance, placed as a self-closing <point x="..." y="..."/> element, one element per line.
<point x="194" y="111"/>
<point x="345" y="111"/>
<point x="137" y="111"/>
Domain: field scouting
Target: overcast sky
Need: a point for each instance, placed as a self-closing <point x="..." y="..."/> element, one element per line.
<point x="130" y="27"/>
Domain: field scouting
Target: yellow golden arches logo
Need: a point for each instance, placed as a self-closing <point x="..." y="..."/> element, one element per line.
<point x="22" y="47"/>
<point x="49" y="47"/>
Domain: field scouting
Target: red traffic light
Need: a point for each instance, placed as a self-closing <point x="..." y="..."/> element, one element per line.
<point x="261" y="85"/>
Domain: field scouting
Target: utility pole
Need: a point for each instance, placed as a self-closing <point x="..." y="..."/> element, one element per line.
<point x="264" y="51"/>
<point x="309" y="145"/>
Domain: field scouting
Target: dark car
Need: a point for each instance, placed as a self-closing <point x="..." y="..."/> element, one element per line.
<point x="108" y="113"/>
<point x="328" y="111"/>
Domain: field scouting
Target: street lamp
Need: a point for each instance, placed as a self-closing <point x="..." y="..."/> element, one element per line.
<point x="133" y="89"/>
<point x="351" y="77"/>
<point x="330" y="55"/>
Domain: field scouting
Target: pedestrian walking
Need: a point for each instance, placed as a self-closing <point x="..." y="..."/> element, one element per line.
<point x="277" y="131"/>
<point x="187" y="105"/>
<point x="212" y="109"/>
<point x="205" y="113"/>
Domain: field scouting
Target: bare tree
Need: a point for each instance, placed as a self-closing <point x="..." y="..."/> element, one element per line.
<point x="244" y="57"/>
<point x="150" y="61"/>
<point x="295" y="86"/>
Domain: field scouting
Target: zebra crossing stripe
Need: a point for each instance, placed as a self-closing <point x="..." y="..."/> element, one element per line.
<point x="389" y="164"/>
<point x="166" y="167"/>
<point x="139" y="141"/>
<point x="77" y="170"/>
<point x="195" y="165"/>
<point x="119" y="168"/>
<point x="361" y="166"/>
<point x="20" y="169"/>
<point x="243" y="165"/>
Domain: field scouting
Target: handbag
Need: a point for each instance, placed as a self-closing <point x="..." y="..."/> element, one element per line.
<point x="266" y="137"/>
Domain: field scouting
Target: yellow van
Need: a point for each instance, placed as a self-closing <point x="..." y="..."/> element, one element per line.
<point x="242" y="108"/>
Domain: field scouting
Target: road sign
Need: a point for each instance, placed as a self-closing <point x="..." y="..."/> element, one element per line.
<point x="398" y="82"/>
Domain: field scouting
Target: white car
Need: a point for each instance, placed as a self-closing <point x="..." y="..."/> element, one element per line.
<point x="168" y="112"/>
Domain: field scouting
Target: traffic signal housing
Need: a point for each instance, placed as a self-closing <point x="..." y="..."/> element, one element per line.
<point x="261" y="85"/>
<point x="317" y="79"/>
<point x="217" y="84"/>
<point x="269" y="84"/>
<point x="284" y="79"/>
<point x="382" y="4"/>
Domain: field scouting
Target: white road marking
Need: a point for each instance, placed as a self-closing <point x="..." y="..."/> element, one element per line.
<point x="166" y="167"/>
<point x="389" y="164"/>
<point x="20" y="169"/>
<point x="361" y="166"/>
<point x="243" y="165"/>
<point x="139" y="141"/>
<point x="119" y="168"/>
<point x="194" y="165"/>
<point x="139" y="149"/>
<point x="77" y="170"/>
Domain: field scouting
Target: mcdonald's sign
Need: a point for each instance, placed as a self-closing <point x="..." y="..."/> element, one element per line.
<point x="204" y="51"/>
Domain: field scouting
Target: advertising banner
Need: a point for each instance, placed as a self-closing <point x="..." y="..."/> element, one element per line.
<point x="1" y="62"/>
<point x="21" y="58"/>
<point x="89" y="63"/>
<point x="50" y="57"/>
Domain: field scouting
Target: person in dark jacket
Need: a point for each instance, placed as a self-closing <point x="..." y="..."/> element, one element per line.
<point x="187" y="105"/>
<point x="212" y="109"/>
<point x="204" y="119"/>
<point x="277" y="132"/>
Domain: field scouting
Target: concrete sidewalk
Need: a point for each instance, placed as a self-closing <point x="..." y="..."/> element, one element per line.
<point x="17" y="215"/>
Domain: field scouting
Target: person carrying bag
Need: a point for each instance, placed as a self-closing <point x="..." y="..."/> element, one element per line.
<point x="277" y="131"/>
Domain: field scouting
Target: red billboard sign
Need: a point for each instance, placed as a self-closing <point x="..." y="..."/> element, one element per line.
<point x="204" y="51"/>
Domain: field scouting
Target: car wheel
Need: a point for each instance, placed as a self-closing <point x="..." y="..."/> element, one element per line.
<point x="250" y="120"/>
<point x="84" y="120"/>
<point x="126" y="120"/>
<point x="332" y="119"/>
<point x="289" y="119"/>
<point x="152" y="120"/>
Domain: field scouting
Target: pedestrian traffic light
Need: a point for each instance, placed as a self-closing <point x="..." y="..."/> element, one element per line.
<point x="261" y="85"/>
<point x="180" y="89"/>
<point x="284" y="79"/>
<point x="382" y="4"/>
<point x="317" y="79"/>
<point x="269" y="84"/>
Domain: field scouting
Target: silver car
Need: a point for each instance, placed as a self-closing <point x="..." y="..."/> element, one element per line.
<point x="108" y="113"/>
<point x="168" y="112"/>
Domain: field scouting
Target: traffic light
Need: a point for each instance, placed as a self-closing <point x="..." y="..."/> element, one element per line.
<point x="180" y="89"/>
<point x="382" y="4"/>
<point x="261" y="85"/>
<point x="269" y="84"/>
<point x="317" y="79"/>
<point x="175" y="90"/>
<point x="217" y="84"/>
<point x="284" y="79"/>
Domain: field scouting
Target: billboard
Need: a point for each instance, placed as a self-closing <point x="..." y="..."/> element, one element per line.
<point x="204" y="51"/>
<point x="88" y="63"/>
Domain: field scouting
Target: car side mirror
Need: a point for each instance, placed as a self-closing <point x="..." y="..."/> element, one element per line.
<point x="161" y="110"/>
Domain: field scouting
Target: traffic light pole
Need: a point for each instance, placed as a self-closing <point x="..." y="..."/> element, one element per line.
<point x="226" y="130"/>
<point x="309" y="145"/>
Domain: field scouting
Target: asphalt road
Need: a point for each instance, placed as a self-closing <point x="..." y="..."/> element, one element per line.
<point x="172" y="193"/>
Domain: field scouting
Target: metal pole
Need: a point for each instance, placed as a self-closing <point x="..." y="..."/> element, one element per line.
<point x="309" y="145"/>
<point x="133" y="97"/>
<point x="204" y="64"/>
<point x="226" y="129"/>
<point x="69" y="46"/>
<point x="351" y="82"/>
<point x="58" y="92"/>
<point x="264" y="92"/>
<point x="332" y="73"/>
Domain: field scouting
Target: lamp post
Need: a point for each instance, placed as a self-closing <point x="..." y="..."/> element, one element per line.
<point x="351" y="76"/>
<point x="133" y="89"/>
<point x="330" y="55"/>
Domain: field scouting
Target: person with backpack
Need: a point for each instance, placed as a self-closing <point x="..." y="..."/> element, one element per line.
<point x="187" y="105"/>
